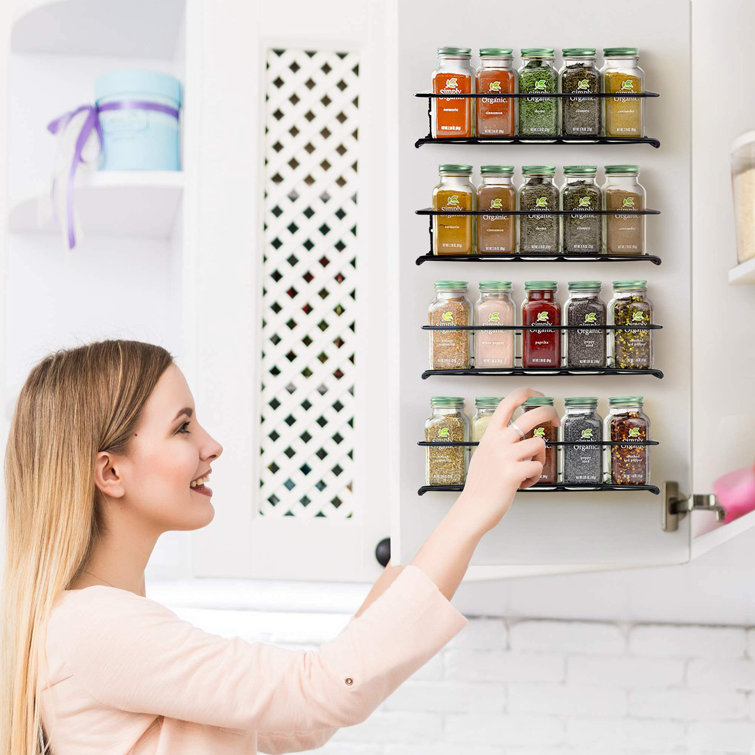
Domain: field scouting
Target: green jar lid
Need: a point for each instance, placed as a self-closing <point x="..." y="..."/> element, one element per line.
<point x="454" y="51"/>
<point x="581" y="169"/>
<point x="540" y="285"/>
<point x="537" y="52"/>
<point x="578" y="52"/>
<point x="621" y="169"/>
<point x="491" y="401"/>
<point x="495" y="285"/>
<point x="580" y="401"/>
<point x="496" y="52"/>
<point x="446" y="400"/>
<point x="440" y="285"/>
<point x="543" y="170"/>
<point x="451" y="168"/>
<point x="617" y="400"/>
<point x="539" y="401"/>
<point x="584" y="285"/>
<point x="630" y="284"/>
<point x="620" y="52"/>
<point x="487" y="169"/>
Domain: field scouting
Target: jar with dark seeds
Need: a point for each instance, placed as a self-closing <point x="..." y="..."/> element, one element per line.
<point x="585" y="347"/>
<point x="582" y="463"/>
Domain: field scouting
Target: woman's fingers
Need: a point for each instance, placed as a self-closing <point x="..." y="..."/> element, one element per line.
<point x="533" y="470"/>
<point x="531" y="448"/>
<point x="531" y="419"/>
<point x="506" y="408"/>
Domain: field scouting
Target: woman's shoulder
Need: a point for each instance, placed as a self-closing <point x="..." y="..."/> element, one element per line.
<point x="101" y="606"/>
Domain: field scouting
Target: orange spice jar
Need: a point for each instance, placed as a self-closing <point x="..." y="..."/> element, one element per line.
<point x="452" y="117"/>
<point x="495" y="75"/>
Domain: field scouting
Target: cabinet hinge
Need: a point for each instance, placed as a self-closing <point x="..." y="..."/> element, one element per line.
<point x="677" y="505"/>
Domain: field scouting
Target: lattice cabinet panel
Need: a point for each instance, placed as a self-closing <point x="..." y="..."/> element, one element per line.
<point x="309" y="284"/>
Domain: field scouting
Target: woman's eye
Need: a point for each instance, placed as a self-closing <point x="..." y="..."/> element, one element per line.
<point x="181" y="429"/>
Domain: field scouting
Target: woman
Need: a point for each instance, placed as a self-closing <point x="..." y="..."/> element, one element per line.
<point x="104" y="454"/>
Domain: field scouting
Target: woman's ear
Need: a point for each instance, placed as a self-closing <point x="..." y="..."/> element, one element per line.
<point x="107" y="475"/>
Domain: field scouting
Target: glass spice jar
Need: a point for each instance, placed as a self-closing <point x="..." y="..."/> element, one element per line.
<point x="494" y="348"/>
<point x="582" y="232"/>
<point x="452" y="117"/>
<point x="743" y="193"/>
<point x="453" y="233"/>
<point x="624" y="116"/>
<point x="549" y="433"/>
<point x="446" y="465"/>
<point x="580" y="115"/>
<point x="495" y="75"/>
<point x="627" y="463"/>
<point x="538" y="116"/>
<point x="630" y="348"/>
<point x="538" y="232"/>
<point x="541" y="347"/>
<point x="496" y="234"/>
<point x="450" y="349"/>
<point x="581" y="464"/>
<point x="585" y="347"/>
<point x="484" y="408"/>
<point x="624" y="234"/>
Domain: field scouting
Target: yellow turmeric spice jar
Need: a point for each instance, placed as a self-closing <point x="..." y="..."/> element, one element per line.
<point x="623" y="114"/>
<point x="454" y="233"/>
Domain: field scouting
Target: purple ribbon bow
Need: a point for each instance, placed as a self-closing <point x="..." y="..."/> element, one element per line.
<point x="92" y="123"/>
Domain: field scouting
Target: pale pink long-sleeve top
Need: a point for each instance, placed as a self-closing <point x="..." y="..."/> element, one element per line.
<point x="125" y="675"/>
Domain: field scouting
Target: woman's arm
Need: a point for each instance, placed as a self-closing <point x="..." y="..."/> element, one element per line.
<point x="502" y="464"/>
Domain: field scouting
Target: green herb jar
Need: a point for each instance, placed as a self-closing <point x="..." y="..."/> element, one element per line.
<point x="538" y="195"/>
<point x="538" y="116"/>
<point x="582" y="230"/>
<point x="630" y="348"/>
<point x="446" y="465"/>
<point x="580" y="115"/>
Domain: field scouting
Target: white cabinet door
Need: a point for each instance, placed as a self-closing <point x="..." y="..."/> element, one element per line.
<point x="568" y="530"/>
<point x="723" y="356"/>
<point x="290" y="282"/>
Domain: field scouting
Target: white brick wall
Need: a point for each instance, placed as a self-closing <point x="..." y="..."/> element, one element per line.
<point x="537" y="687"/>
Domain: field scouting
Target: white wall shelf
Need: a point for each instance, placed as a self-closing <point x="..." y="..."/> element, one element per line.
<point x="744" y="274"/>
<point x="129" y="28"/>
<point x="110" y="203"/>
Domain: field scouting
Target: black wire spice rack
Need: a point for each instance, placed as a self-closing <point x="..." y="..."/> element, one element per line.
<point x="542" y="371"/>
<point x="560" y="257"/>
<point x="429" y="139"/>
<point x="545" y="487"/>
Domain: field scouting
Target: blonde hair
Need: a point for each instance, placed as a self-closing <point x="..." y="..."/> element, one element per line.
<point x="74" y="404"/>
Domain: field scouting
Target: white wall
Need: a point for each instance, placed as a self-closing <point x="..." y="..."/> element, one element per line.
<point x="531" y="687"/>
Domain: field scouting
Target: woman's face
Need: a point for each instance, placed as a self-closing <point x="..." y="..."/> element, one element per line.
<point x="169" y="449"/>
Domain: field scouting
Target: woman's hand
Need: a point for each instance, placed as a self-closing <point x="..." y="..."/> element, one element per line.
<point x="504" y="462"/>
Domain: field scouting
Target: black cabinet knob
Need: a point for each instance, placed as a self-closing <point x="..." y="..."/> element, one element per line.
<point x="383" y="551"/>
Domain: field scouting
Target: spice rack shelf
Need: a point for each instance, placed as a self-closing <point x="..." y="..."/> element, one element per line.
<point x="543" y="372"/>
<point x="528" y="139"/>
<point x="539" y="258"/>
<point x="552" y="488"/>
<point x="580" y="257"/>
<point x="472" y="443"/>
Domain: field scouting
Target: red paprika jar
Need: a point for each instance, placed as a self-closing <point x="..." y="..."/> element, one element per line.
<point x="541" y="347"/>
